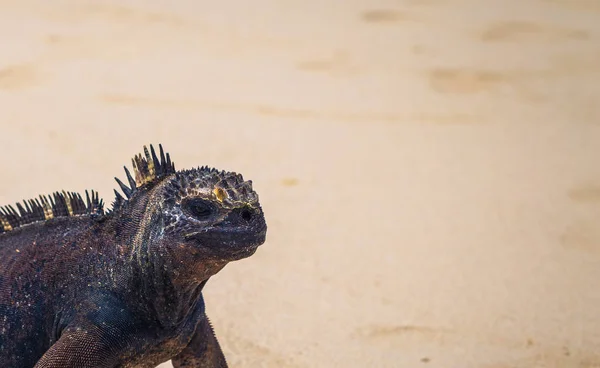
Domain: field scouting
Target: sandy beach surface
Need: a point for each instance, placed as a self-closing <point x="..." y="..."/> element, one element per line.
<point x="429" y="169"/>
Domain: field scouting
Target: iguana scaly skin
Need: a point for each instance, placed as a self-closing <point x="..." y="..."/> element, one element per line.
<point x="81" y="287"/>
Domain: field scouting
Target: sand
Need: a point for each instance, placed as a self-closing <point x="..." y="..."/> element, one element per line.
<point x="429" y="169"/>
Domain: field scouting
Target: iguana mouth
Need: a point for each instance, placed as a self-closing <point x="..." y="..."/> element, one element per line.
<point x="227" y="245"/>
<point x="230" y="239"/>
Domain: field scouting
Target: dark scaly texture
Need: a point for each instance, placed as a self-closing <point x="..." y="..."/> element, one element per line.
<point x="84" y="287"/>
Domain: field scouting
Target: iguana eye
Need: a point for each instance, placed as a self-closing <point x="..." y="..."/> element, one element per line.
<point x="197" y="208"/>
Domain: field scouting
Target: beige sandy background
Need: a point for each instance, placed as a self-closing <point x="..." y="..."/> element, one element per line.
<point x="429" y="169"/>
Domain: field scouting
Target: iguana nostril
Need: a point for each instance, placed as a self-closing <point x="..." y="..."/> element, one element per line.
<point x="247" y="215"/>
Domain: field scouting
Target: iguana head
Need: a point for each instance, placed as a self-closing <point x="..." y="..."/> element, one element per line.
<point x="214" y="209"/>
<point x="203" y="210"/>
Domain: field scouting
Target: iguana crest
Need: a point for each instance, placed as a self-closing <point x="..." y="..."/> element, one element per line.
<point x="228" y="188"/>
<point x="147" y="169"/>
<point x="58" y="204"/>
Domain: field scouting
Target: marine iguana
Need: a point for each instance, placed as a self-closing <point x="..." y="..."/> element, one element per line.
<point x="84" y="287"/>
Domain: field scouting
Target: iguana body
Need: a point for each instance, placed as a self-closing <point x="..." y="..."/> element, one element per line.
<point x="81" y="287"/>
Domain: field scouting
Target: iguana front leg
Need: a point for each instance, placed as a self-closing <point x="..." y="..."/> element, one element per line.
<point x="203" y="351"/>
<point x="82" y="347"/>
<point x="96" y="338"/>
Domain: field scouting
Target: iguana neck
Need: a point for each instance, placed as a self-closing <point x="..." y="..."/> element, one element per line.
<point x="176" y="279"/>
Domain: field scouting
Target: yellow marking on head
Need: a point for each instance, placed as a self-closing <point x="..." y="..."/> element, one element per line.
<point x="220" y="193"/>
<point x="68" y="202"/>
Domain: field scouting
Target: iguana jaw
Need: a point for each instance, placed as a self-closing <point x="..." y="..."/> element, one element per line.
<point x="233" y="238"/>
